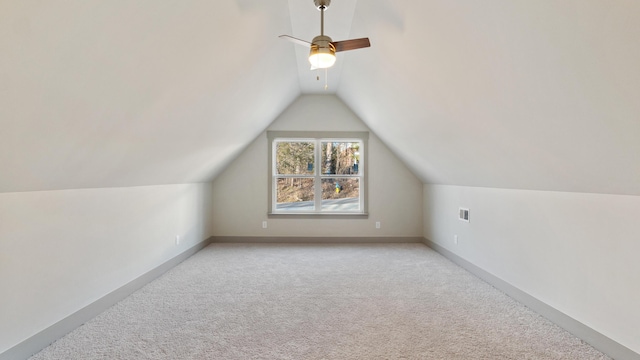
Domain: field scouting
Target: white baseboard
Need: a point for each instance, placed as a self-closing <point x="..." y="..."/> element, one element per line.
<point x="314" y="240"/>
<point x="580" y="330"/>
<point x="44" y="338"/>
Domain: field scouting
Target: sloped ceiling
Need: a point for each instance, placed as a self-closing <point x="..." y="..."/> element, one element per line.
<point x="521" y="94"/>
<point x="509" y="94"/>
<point x="105" y="93"/>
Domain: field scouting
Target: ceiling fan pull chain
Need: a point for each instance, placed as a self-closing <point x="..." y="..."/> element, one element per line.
<point x="326" y="79"/>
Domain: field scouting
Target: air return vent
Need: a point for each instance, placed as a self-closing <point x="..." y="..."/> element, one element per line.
<point x="463" y="214"/>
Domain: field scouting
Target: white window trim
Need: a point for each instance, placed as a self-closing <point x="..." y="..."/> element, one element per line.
<point x="353" y="136"/>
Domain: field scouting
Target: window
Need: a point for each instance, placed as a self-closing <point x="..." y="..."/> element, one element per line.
<point x="317" y="173"/>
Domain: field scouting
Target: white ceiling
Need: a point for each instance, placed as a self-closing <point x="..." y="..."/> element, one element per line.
<point x="106" y="93"/>
<point x="522" y="94"/>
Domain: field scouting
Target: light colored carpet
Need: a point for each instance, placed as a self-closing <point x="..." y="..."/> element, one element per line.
<point x="284" y="301"/>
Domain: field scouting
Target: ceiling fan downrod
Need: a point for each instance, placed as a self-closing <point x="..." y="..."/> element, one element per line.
<point x="322" y="5"/>
<point x="322" y="21"/>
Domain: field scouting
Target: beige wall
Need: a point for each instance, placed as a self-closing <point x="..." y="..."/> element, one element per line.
<point x="62" y="250"/>
<point x="240" y="192"/>
<point x="576" y="252"/>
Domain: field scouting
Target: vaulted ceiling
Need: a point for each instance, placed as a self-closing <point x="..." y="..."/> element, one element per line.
<point x="519" y="94"/>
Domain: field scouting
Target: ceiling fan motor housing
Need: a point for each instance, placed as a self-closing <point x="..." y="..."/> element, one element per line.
<point x="323" y="42"/>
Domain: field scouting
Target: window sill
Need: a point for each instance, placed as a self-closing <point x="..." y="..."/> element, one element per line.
<point x="309" y="215"/>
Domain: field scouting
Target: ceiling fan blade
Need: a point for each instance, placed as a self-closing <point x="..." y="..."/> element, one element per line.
<point x="351" y="44"/>
<point x="295" y="40"/>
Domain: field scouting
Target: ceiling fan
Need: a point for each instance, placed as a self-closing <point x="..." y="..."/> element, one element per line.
<point x="323" y="50"/>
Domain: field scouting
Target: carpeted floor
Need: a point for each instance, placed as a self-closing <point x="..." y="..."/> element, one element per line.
<point x="283" y="301"/>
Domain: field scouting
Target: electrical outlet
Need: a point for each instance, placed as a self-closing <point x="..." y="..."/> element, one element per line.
<point x="377" y="224"/>
<point x="264" y="224"/>
<point x="177" y="239"/>
<point x="455" y="239"/>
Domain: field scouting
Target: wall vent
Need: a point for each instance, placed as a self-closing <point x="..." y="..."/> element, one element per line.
<point x="463" y="214"/>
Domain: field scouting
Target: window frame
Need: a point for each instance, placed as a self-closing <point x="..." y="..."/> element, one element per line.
<point x="318" y="137"/>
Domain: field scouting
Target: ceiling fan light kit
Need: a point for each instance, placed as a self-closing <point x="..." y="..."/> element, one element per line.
<point x="322" y="53"/>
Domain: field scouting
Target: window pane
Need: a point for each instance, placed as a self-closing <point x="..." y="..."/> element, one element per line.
<point x="340" y="158"/>
<point x="294" y="158"/>
<point x="341" y="194"/>
<point x="294" y="194"/>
